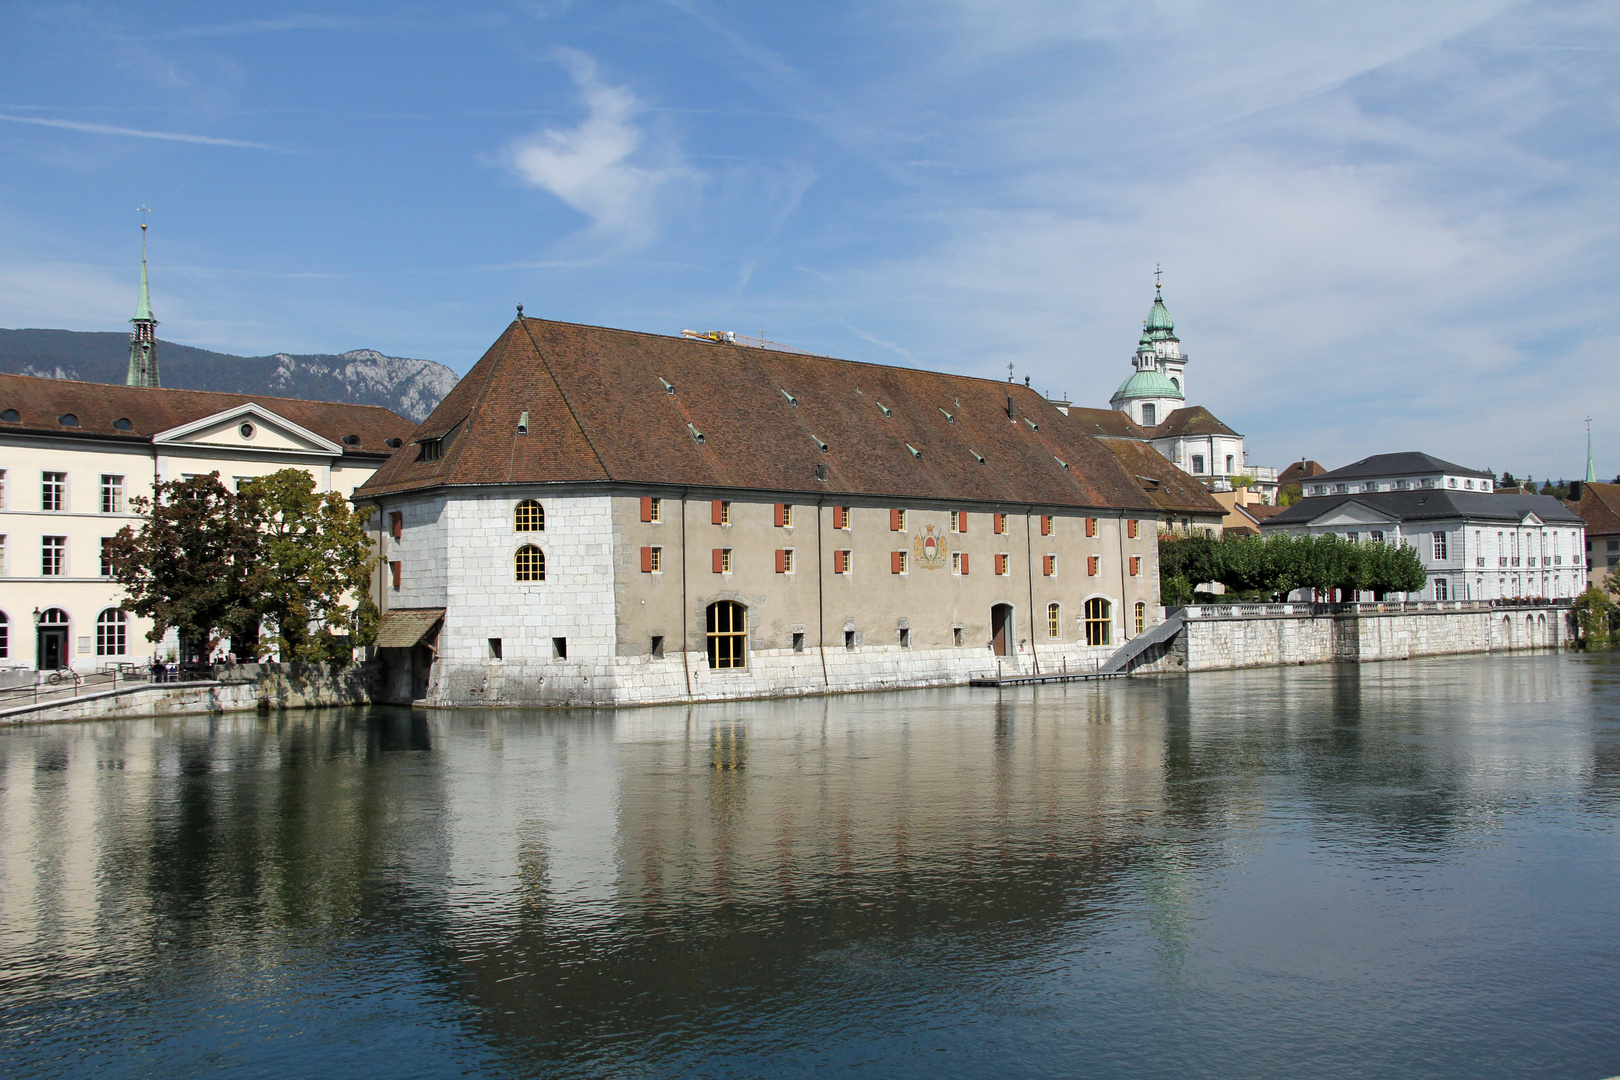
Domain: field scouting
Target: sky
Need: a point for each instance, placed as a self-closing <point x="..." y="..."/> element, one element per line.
<point x="1383" y="225"/>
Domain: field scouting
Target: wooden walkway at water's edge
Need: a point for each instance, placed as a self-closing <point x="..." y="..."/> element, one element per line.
<point x="1056" y="677"/>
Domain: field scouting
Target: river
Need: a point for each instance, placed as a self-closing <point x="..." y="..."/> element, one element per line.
<point x="1392" y="870"/>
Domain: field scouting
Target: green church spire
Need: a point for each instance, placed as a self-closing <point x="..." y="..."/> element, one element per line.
<point x="143" y="366"/>
<point x="1591" y="473"/>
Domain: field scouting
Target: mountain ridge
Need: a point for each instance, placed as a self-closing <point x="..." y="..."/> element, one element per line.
<point x="408" y="386"/>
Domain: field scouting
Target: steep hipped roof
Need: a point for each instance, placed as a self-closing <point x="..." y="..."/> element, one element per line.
<point x="617" y="405"/>
<point x="1299" y="471"/>
<point x="1433" y="503"/>
<point x="1171" y="490"/>
<point x="1106" y="423"/>
<point x="1193" y="420"/>
<point x="1406" y="463"/>
<point x="1599" y="507"/>
<point x="40" y="404"/>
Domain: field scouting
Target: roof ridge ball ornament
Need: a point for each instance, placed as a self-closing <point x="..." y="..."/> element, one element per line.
<point x="520" y="311"/>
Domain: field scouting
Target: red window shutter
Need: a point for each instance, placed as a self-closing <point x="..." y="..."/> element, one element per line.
<point x="1091" y="565"/>
<point x="1130" y="528"/>
<point x="838" y="561"/>
<point x="714" y="512"/>
<point x="1046" y="524"/>
<point x="1047" y="563"/>
<point x="396" y="524"/>
<point x="781" y="560"/>
<point x="781" y="514"/>
<point x="646" y="560"/>
<point x="395" y="568"/>
<point x="999" y="525"/>
<point x="894" y="561"/>
<point x="646" y="508"/>
<point x="1001" y="564"/>
<point x="719" y="560"/>
<point x="1091" y="526"/>
<point x="1136" y="565"/>
<point x="894" y="522"/>
<point x="961" y="522"/>
<point x="964" y="564"/>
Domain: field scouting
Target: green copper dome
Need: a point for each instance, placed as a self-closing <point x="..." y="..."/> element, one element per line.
<point x="1159" y="324"/>
<point x="1146" y="384"/>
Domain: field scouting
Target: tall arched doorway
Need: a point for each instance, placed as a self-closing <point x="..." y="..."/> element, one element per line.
<point x="1001" y="629"/>
<point x="52" y="649"/>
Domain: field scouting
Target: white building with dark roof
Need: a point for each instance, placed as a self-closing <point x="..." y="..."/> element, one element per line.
<point x="1409" y="470"/>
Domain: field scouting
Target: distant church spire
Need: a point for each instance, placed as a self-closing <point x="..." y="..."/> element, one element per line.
<point x="1591" y="473"/>
<point x="143" y="365"/>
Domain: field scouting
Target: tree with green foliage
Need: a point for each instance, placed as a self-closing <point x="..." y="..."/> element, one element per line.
<point x="1289" y="494"/>
<point x="1263" y="567"/>
<point x="314" y="567"/>
<point x="190" y="567"/>
<point x="1595" y="616"/>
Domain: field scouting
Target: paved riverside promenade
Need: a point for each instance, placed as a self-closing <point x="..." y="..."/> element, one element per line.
<point x="1223" y="636"/>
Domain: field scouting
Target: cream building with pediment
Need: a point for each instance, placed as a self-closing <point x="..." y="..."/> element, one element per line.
<point x="72" y="457"/>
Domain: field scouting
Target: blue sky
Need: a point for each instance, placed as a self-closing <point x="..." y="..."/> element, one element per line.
<point x="1383" y="225"/>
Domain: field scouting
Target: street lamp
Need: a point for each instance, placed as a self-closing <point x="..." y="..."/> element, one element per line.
<point x="37" y="616"/>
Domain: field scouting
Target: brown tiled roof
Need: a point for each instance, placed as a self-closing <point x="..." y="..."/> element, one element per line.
<point x="1192" y="420"/>
<point x="1599" y="507"/>
<point x="1260" y="511"/>
<point x="1170" y="490"/>
<point x="1299" y="471"/>
<point x="40" y="403"/>
<point x="599" y="412"/>
<point x="1106" y="423"/>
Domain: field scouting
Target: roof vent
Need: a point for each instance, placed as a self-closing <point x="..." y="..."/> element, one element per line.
<point x="977" y="456"/>
<point x="669" y="387"/>
<point x="948" y="417"/>
<point x="791" y="399"/>
<point x="885" y="409"/>
<point x="68" y="420"/>
<point x="1033" y="426"/>
<point x="819" y="444"/>
<point x="916" y="453"/>
<point x="392" y="444"/>
<point x="351" y="440"/>
<point x="121" y="424"/>
<point x="697" y="436"/>
<point x="11" y="416"/>
<point x="523" y="423"/>
<point x="1061" y="462"/>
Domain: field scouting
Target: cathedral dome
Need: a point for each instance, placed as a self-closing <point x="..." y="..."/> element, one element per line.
<point x="1159" y="324"/>
<point x="1147" y="384"/>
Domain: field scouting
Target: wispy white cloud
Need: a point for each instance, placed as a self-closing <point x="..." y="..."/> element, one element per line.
<point x="602" y="166"/>
<point x="139" y="133"/>
<point x="259" y="26"/>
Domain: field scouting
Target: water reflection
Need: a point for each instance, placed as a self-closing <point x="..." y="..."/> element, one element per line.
<point x="1134" y="874"/>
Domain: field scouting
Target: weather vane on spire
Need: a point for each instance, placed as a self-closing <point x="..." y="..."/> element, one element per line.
<point x="144" y="211"/>
<point x="1157" y="284"/>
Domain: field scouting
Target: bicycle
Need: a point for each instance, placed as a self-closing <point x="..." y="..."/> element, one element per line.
<point x="57" y="677"/>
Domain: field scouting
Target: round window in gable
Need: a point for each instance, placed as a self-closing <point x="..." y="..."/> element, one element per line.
<point x="393" y="444"/>
<point x="351" y="440"/>
<point x="68" y="420"/>
<point x="247" y="431"/>
<point x="123" y="424"/>
<point x="10" y="416"/>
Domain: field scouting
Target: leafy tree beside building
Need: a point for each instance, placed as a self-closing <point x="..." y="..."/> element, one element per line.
<point x="1264" y="567"/>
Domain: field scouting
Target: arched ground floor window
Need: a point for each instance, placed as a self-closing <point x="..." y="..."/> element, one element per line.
<point x="1099" y="621"/>
<point x="111" y="629"/>
<point x="727" y="631"/>
<point x="1054" y="621"/>
<point x="5" y="636"/>
<point x="1141" y="616"/>
<point x="529" y="564"/>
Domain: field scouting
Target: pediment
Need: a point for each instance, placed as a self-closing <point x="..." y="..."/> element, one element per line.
<point x="249" y="427"/>
<point x="1351" y="514"/>
<point x="1531" y="521"/>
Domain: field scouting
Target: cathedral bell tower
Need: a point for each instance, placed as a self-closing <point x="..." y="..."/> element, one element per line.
<point x="143" y="365"/>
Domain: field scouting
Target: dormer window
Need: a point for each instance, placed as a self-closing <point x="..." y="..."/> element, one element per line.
<point x="432" y="449"/>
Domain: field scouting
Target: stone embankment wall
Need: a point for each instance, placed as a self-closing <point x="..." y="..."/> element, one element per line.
<point x="1223" y="636"/>
<point x="241" y="688"/>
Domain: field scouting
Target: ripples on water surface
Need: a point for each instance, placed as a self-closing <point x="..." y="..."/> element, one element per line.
<point x="1394" y="870"/>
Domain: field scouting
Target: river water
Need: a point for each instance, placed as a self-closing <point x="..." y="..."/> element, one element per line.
<point x="1393" y="870"/>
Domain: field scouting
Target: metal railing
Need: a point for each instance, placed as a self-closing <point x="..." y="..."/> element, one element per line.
<point x="65" y="684"/>
<point x="1362" y="607"/>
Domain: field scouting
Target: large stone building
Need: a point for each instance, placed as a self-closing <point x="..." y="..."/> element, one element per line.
<point x="601" y="516"/>
<point x="1599" y="506"/>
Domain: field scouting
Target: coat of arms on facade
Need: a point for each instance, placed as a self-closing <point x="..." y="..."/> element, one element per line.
<point x="928" y="550"/>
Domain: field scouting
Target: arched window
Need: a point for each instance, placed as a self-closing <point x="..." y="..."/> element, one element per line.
<point x="1054" y="621"/>
<point x="111" y="627"/>
<point x="54" y="617"/>
<point x="529" y="564"/>
<point x="727" y="630"/>
<point x="529" y="517"/>
<point x="1141" y="616"/>
<point x="1099" y="621"/>
<point x="5" y="636"/>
